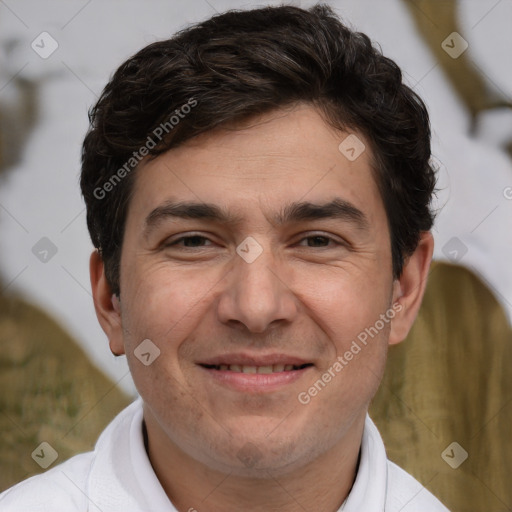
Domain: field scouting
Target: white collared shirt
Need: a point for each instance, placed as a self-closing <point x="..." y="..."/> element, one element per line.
<point x="118" y="477"/>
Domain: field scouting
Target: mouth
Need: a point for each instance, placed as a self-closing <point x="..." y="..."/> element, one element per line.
<point x="250" y="369"/>
<point x="254" y="374"/>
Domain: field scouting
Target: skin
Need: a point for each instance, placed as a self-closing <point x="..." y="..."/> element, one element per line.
<point x="215" y="448"/>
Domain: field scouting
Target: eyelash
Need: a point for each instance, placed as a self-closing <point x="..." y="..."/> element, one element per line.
<point x="174" y="243"/>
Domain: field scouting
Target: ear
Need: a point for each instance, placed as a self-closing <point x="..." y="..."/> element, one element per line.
<point x="107" y="306"/>
<point x="409" y="288"/>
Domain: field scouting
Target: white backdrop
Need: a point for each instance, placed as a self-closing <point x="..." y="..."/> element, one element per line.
<point x="40" y="196"/>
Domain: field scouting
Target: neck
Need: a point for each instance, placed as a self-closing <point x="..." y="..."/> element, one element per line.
<point x="321" y="485"/>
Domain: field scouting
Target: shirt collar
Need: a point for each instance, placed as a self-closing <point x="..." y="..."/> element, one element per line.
<point x="122" y="477"/>
<point x="369" y="490"/>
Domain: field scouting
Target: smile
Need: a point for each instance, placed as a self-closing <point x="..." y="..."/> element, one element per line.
<point x="276" y="368"/>
<point x="254" y="376"/>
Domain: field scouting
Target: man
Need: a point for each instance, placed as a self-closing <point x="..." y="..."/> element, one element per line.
<point x="258" y="191"/>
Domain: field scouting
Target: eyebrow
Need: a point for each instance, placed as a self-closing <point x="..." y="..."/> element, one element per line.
<point x="338" y="208"/>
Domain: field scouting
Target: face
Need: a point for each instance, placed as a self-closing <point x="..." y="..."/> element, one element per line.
<point x="253" y="295"/>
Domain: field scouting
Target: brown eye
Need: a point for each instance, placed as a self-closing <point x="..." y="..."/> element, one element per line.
<point x="319" y="241"/>
<point x="188" y="241"/>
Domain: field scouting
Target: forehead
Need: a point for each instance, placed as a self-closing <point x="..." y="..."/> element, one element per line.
<point x="259" y="168"/>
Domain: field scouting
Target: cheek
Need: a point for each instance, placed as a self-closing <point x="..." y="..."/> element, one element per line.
<point x="160" y="307"/>
<point x="345" y="303"/>
<point x="161" y="302"/>
<point x="348" y="308"/>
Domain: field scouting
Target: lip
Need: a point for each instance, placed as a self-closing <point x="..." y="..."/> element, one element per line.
<point x="243" y="359"/>
<point x="254" y="382"/>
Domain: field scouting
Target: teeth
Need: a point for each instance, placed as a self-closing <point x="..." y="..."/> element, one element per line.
<point x="276" y="368"/>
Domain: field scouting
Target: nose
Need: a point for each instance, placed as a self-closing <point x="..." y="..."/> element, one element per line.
<point x="257" y="294"/>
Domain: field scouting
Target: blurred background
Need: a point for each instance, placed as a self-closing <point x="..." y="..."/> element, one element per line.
<point x="56" y="57"/>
